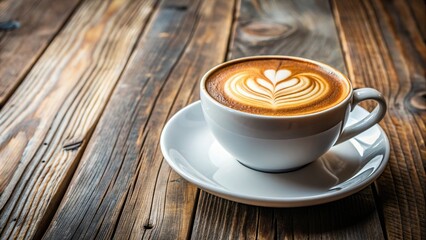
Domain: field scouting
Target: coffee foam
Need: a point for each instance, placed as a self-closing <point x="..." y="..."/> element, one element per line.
<point x="276" y="87"/>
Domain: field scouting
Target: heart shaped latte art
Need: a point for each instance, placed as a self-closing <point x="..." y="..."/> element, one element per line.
<point x="276" y="89"/>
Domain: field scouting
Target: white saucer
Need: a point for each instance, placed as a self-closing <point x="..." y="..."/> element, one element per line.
<point x="193" y="153"/>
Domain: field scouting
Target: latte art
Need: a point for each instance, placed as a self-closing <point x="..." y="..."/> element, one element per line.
<point x="277" y="89"/>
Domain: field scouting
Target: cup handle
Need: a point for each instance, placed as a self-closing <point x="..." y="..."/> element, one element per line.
<point x="374" y="117"/>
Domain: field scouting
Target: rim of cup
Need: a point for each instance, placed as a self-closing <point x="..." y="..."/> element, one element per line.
<point x="247" y="114"/>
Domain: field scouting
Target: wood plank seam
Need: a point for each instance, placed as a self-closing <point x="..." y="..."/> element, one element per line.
<point x="149" y="224"/>
<point x="186" y="44"/>
<point x="379" y="209"/>
<point x="235" y="16"/>
<point x="235" y="11"/>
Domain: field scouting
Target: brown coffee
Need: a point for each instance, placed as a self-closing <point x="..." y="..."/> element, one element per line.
<point x="277" y="87"/>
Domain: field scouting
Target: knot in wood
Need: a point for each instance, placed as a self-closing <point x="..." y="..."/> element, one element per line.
<point x="257" y="31"/>
<point x="72" y="145"/>
<point x="418" y="101"/>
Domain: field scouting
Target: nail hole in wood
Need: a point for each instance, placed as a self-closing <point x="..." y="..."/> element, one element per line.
<point x="148" y="226"/>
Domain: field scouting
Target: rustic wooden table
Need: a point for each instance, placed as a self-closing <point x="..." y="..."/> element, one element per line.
<point x="86" y="87"/>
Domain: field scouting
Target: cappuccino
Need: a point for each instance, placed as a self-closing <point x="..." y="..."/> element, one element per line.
<point x="277" y="87"/>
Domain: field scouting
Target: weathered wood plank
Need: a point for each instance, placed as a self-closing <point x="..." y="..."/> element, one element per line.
<point x="295" y="28"/>
<point x="123" y="188"/>
<point x="418" y="9"/>
<point x="40" y="21"/>
<point x="46" y="123"/>
<point x="300" y="28"/>
<point x="221" y="219"/>
<point x="385" y="50"/>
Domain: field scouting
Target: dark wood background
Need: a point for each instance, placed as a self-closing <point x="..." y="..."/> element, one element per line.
<point x="86" y="87"/>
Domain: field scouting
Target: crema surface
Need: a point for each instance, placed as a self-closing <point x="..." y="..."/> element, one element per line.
<point x="276" y="87"/>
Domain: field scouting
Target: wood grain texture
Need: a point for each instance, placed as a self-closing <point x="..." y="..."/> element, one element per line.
<point x="123" y="188"/>
<point x="222" y="219"/>
<point x="385" y="50"/>
<point x="79" y="138"/>
<point x="306" y="29"/>
<point x="46" y="123"/>
<point x="417" y="9"/>
<point x="40" y="21"/>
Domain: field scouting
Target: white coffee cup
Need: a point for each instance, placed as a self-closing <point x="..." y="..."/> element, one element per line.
<point x="285" y="143"/>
